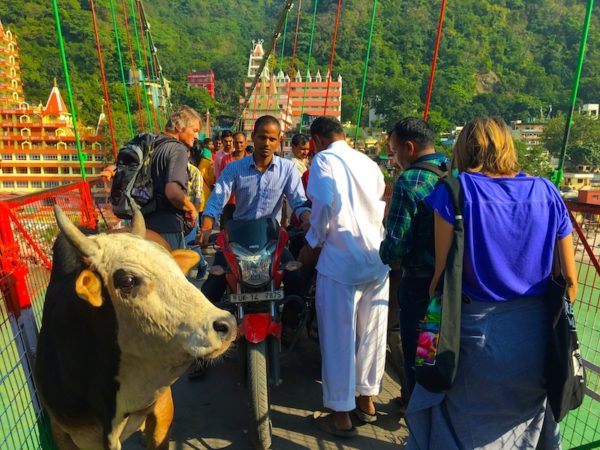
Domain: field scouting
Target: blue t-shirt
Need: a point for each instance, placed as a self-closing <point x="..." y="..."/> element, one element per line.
<point x="511" y="226"/>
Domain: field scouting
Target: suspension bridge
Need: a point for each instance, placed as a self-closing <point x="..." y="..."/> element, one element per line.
<point x="27" y="226"/>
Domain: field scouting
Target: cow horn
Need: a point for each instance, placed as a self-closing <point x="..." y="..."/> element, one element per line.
<point x="79" y="240"/>
<point x="138" y="225"/>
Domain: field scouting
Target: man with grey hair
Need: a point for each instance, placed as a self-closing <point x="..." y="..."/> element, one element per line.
<point x="175" y="213"/>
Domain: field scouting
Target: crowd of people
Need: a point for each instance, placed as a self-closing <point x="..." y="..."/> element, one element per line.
<point x="513" y="222"/>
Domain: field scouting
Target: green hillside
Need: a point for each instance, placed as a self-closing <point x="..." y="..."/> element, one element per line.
<point x="504" y="57"/>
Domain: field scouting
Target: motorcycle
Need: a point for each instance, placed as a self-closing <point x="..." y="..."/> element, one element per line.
<point x="254" y="277"/>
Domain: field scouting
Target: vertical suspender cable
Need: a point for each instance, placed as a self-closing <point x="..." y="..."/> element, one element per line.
<point x="335" y="31"/>
<point x="63" y="56"/>
<point x="157" y="66"/>
<point x="121" y="68"/>
<point x="145" y="26"/>
<point x="149" y="75"/>
<point x="285" y="27"/>
<point x="364" y="81"/>
<point x="310" y="47"/>
<point x="557" y="176"/>
<point x="436" y="49"/>
<point x="292" y="70"/>
<point x="141" y="65"/>
<point x="133" y="68"/>
<point x="103" y="76"/>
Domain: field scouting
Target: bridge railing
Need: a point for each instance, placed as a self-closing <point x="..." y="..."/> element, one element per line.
<point x="27" y="232"/>
<point x="581" y="428"/>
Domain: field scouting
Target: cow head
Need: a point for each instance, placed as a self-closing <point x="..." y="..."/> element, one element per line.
<point x="160" y="314"/>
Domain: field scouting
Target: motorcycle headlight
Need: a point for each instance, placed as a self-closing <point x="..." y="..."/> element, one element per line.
<point x="255" y="269"/>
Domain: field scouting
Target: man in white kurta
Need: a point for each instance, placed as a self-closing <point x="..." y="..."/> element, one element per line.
<point x="346" y="189"/>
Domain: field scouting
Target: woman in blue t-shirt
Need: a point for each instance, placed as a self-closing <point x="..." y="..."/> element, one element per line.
<point x="512" y="224"/>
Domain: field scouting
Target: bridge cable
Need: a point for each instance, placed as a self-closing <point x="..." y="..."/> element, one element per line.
<point x="436" y="49"/>
<point x="63" y="56"/>
<point x="149" y="75"/>
<point x="364" y="81"/>
<point x="134" y="74"/>
<point x="335" y="31"/>
<point x="103" y="77"/>
<point x="153" y="66"/>
<point x="158" y="67"/>
<point x="292" y="70"/>
<point x="557" y="175"/>
<point x="310" y="47"/>
<point x="141" y="66"/>
<point x="121" y="68"/>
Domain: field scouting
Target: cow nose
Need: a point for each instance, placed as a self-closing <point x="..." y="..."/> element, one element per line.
<point x="225" y="327"/>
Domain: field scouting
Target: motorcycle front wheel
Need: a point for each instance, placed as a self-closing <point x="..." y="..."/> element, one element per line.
<point x="258" y="390"/>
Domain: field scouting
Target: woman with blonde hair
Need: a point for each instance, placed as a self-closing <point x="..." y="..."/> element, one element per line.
<point x="512" y="223"/>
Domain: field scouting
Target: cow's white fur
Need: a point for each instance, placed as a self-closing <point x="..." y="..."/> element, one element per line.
<point x="161" y="329"/>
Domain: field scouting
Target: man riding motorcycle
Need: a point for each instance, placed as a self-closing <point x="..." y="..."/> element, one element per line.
<point x="259" y="182"/>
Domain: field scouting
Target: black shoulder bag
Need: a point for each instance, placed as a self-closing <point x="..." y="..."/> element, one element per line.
<point x="438" y="345"/>
<point x="564" y="373"/>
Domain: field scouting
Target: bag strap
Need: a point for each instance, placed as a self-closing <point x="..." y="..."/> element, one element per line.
<point x="453" y="185"/>
<point x="440" y="170"/>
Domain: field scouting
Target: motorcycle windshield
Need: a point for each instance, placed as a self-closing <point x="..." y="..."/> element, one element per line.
<point x="252" y="235"/>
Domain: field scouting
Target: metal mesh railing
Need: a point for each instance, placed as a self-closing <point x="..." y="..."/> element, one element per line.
<point x="581" y="428"/>
<point x="22" y="422"/>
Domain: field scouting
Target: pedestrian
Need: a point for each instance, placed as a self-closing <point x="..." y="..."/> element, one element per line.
<point x="169" y="174"/>
<point x="346" y="189"/>
<point x="227" y="141"/>
<point x="408" y="246"/>
<point x="239" y="144"/>
<point x="300" y="149"/>
<point x="512" y="224"/>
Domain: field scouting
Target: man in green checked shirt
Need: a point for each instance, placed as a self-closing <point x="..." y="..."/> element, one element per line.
<point x="409" y="242"/>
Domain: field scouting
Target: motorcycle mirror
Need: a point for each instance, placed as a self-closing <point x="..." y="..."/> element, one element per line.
<point x="290" y="266"/>
<point x="216" y="270"/>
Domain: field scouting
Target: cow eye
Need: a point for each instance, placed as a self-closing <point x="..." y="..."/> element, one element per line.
<point x="125" y="281"/>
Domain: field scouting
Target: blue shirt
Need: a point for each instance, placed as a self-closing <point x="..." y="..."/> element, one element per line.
<point x="258" y="195"/>
<point x="511" y="227"/>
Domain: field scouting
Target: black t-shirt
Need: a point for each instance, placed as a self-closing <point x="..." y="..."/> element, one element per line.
<point x="169" y="165"/>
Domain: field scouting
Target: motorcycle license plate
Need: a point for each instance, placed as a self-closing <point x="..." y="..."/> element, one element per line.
<point x="256" y="297"/>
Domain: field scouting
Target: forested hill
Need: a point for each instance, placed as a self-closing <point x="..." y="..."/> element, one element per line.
<point x="502" y="57"/>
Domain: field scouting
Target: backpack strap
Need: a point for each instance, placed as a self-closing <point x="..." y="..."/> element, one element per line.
<point x="453" y="185"/>
<point x="440" y="170"/>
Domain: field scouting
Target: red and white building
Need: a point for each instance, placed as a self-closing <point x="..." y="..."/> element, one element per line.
<point x="204" y="80"/>
<point x="285" y="98"/>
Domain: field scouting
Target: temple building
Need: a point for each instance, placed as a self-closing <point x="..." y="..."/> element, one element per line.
<point x="287" y="98"/>
<point x="37" y="142"/>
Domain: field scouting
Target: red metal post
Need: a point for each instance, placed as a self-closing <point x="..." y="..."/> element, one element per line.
<point x="434" y="61"/>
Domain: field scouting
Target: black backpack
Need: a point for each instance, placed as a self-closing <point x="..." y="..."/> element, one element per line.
<point x="420" y="260"/>
<point x="133" y="178"/>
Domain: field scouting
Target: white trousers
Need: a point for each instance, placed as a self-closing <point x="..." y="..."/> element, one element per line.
<point x="352" y="333"/>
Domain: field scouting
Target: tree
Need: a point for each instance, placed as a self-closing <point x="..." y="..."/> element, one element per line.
<point x="533" y="160"/>
<point x="585" y="133"/>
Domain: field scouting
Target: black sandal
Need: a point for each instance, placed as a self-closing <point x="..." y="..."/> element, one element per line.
<point x="364" y="416"/>
<point x="327" y="424"/>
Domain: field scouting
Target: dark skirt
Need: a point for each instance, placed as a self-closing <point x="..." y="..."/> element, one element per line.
<point x="498" y="400"/>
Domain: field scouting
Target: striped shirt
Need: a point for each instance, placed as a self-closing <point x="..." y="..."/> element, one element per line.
<point x="258" y="195"/>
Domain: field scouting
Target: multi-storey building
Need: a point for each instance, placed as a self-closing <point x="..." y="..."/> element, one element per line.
<point x="37" y="143"/>
<point x="529" y="132"/>
<point x="308" y="95"/>
<point x="204" y="80"/>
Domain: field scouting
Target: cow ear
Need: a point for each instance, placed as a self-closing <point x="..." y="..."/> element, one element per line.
<point x="89" y="287"/>
<point x="185" y="259"/>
